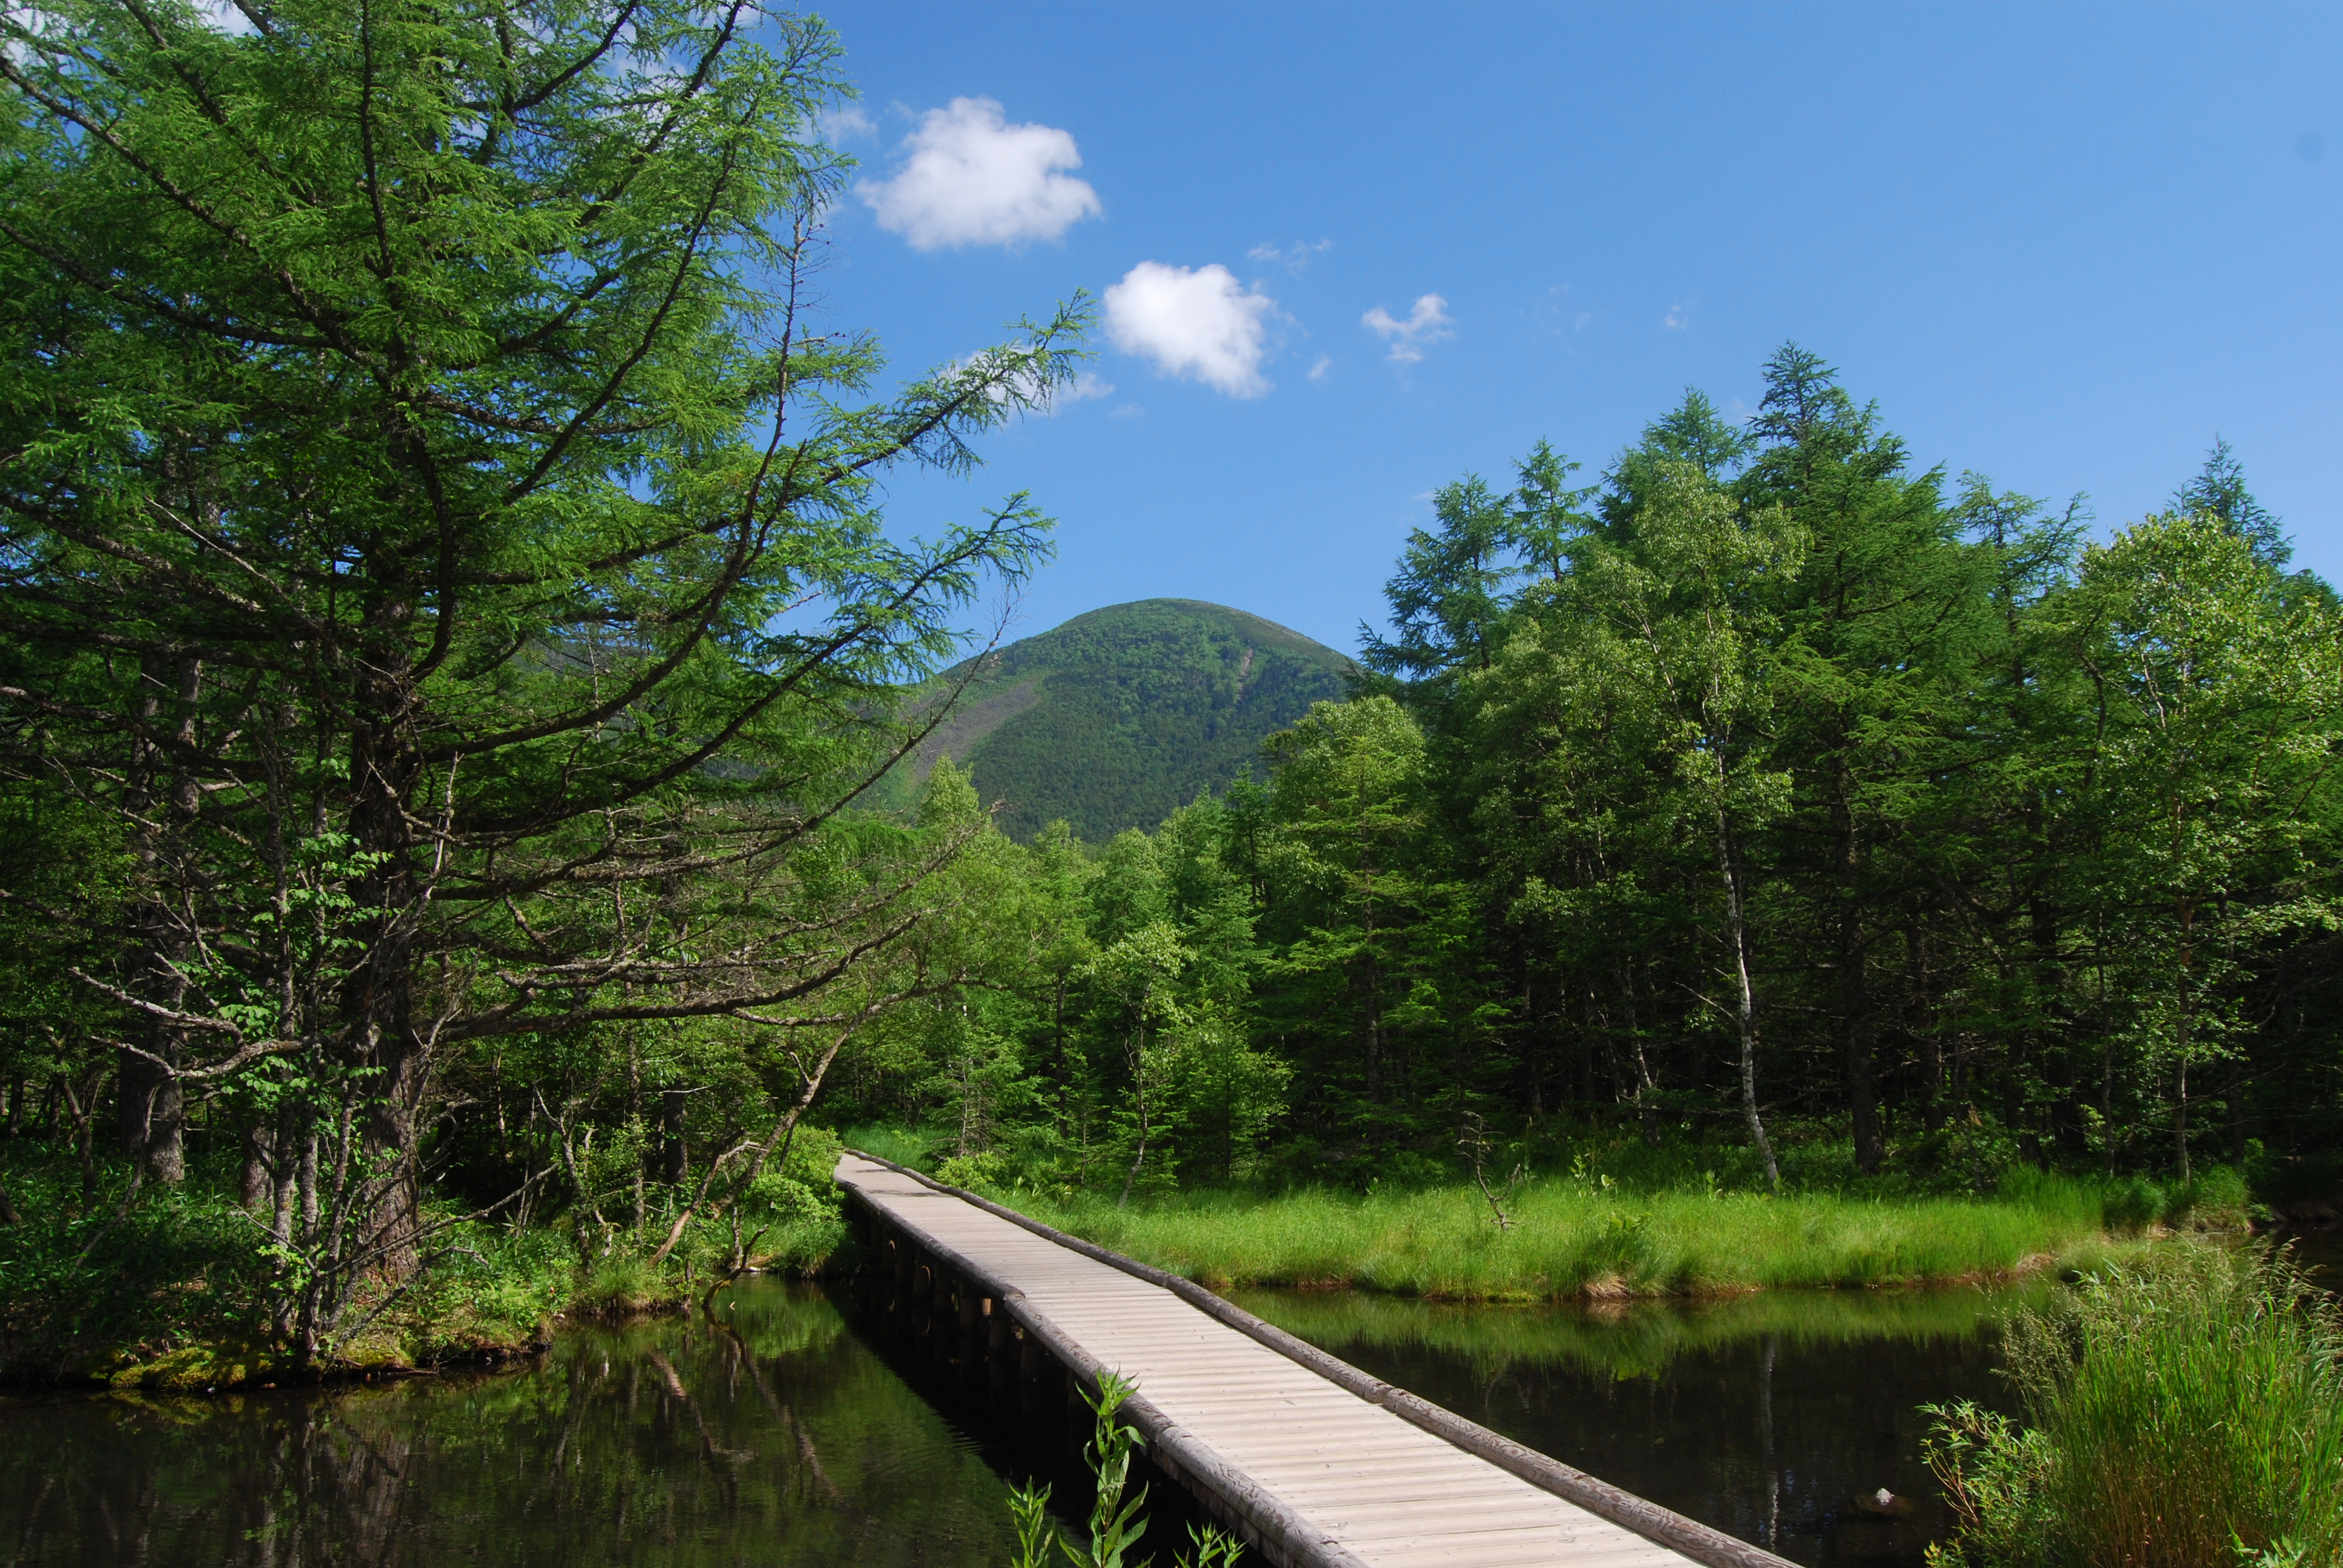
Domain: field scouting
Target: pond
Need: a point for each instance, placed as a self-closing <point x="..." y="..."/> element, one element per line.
<point x="774" y="1435"/>
<point x="784" y="1433"/>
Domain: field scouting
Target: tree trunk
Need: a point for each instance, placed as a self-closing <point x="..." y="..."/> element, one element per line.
<point x="1534" y="1052"/>
<point x="2180" y="1078"/>
<point x="675" y="1152"/>
<point x="1854" y="992"/>
<point x="378" y="998"/>
<point x="1745" y="1016"/>
<point x="164" y="799"/>
<point x="258" y="1191"/>
<point x="1862" y="1076"/>
<point x="1646" y="1108"/>
<point x="2237" y="1130"/>
<point x="1138" y="1091"/>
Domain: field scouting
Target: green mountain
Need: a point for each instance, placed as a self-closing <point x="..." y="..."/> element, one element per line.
<point x="1117" y="717"/>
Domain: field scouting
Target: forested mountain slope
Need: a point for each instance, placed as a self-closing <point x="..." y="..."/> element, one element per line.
<point x="1117" y="717"/>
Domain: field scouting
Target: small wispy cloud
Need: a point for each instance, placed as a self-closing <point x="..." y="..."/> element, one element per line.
<point x="1429" y="322"/>
<point x="1679" y="315"/>
<point x="1293" y="257"/>
<point x="1318" y="371"/>
<point x="843" y="124"/>
<point x="1084" y="387"/>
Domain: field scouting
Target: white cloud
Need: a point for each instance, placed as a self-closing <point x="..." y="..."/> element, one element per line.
<point x="1318" y="371"/>
<point x="1429" y="322"/>
<point x="843" y="124"/>
<point x="973" y="180"/>
<point x="1049" y="399"/>
<point x="1679" y="315"/>
<point x="1294" y="258"/>
<point x="1200" y="324"/>
<point x="1085" y="386"/>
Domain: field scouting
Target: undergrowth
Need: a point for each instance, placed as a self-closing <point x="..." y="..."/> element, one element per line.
<point x="177" y="1286"/>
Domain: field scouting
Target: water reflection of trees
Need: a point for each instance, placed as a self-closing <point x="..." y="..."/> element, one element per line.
<point x="772" y="1435"/>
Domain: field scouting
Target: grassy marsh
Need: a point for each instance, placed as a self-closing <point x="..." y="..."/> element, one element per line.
<point x="1570" y="1239"/>
<point x="2183" y="1410"/>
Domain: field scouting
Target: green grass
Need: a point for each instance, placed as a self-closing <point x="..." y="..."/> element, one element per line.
<point x="2184" y="1410"/>
<point x="1641" y="1339"/>
<point x="1571" y="1239"/>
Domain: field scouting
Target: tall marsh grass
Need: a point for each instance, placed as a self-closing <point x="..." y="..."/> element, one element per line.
<point x="1638" y="1339"/>
<point x="2182" y="1412"/>
<point x="1574" y="1239"/>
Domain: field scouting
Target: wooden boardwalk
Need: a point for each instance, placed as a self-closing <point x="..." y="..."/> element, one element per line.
<point x="1310" y="1460"/>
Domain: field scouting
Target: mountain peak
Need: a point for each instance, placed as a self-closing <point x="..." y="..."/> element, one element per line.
<point x="1123" y="714"/>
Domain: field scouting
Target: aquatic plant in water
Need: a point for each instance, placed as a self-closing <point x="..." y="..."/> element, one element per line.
<point x="1115" y="1525"/>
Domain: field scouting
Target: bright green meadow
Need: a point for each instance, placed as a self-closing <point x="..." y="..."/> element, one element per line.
<point x="1572" y="1239"/>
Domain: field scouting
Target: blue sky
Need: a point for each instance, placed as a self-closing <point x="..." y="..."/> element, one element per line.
<point x="2063" y="246"/>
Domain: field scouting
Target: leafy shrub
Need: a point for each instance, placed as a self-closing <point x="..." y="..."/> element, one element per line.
<point x="1972" y="1152"/>
<point x="813" y="1156"/>
<point x="174" y="1266"/>
<point x="622" y="1283"/>
<point x="2135" y="1205"/>
<point x="983" y="1169"/>
<point x="2215" y="1200"/>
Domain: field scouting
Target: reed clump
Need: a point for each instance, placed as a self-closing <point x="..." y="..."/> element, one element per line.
<point x="1571" y="1239"/>
<point x="2179" y="1411"/>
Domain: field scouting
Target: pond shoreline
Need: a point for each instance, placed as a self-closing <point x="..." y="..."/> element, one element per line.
<point x="220" y="1367"/>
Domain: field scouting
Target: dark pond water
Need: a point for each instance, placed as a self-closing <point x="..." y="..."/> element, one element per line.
<point x="2322" y="1252"/>
<point x="1777" y="1417"/>
<point x="788" y="1433"/>
<point x="780" y="1437"/>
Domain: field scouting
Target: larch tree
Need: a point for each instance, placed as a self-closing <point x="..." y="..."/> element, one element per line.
<point x="439" y="539"/>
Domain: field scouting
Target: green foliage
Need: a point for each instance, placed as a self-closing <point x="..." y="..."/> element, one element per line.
<point x="90" y="1284"/>
<point x="2183" y="1410"/>
<point x="448" y="617"/>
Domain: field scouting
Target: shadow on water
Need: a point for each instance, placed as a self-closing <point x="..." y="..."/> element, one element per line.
<point x="1776" y="1417"/>
<point x="775" y="1434"/>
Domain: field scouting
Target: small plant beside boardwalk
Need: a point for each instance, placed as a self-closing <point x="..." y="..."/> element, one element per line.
<point x="1117" y="1524"/>
<point x="2180" y="1411"/>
